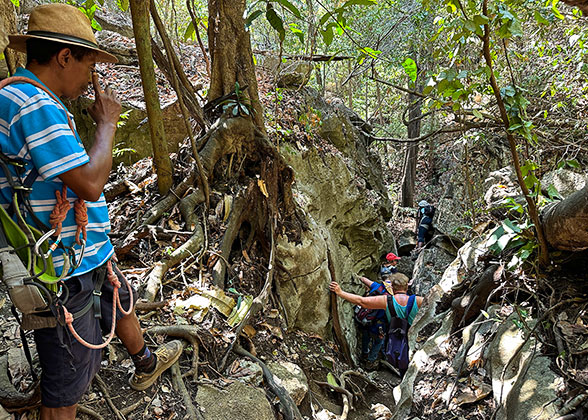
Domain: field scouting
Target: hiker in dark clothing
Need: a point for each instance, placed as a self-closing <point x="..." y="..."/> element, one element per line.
<point x="36" y="129"/>
<point x="424" y="224"/>
<point x="373" y="325"/>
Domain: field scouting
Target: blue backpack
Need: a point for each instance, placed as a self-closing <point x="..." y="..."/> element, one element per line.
<point x="367" y="317"/>
<point x="397" y="340"/>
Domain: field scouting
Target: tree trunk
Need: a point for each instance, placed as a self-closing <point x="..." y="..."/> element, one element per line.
<point x="566" y="222"/>
<point x="231" y="55"/>
<point x="161" y="160"/>
<point x="12" y="59"/>
<point x="410" y="158"/>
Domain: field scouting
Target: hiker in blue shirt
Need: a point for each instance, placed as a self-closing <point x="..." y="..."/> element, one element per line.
<point x="37" y="131"/>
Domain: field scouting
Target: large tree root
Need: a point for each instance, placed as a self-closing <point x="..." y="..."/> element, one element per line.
<point x="259" y="301"/>
<point x="104" y="390"/>
<point x="335" y="313"/>
<point x="289" y="408"/>
<point x="10" y="398"/>
<point x="161" y="267"/>
<point x="193" y="413"/>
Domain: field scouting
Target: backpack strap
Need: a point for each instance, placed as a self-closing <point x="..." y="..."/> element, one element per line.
<point x="409" y="305"/>
<point x="390" y="304"/>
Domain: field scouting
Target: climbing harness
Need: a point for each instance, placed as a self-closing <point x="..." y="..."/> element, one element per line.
<point x="25" y="253"/>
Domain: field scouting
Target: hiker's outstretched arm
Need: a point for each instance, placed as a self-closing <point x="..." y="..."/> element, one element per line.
<point x="369" y="302"/>
<point x="366" y="281"/>
<point x="88" y="180"/>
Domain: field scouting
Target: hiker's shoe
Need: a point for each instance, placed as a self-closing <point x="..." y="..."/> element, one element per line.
<point x="167" y="355"/>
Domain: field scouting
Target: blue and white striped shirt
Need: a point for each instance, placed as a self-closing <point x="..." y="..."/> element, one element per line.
<point x="34" y="129"/>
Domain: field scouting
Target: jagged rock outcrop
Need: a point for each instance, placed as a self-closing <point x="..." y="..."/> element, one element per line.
<point x="341" y="196"/>
<point x="566" y="182"/>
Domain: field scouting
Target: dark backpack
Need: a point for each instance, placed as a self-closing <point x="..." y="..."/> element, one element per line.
<point x="397" y="341"/>
<point x="429" y="210"/>
<point x="367" y="317"/>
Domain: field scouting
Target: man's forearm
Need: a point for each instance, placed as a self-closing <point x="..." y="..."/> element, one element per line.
<point x="350" y="297"/>
<point x="101" y="152"/>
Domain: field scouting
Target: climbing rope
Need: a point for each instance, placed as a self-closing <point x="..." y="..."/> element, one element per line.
<point x="60" y="210"/>
<point x="113" y="278"/>
<point x="81" y="213"/>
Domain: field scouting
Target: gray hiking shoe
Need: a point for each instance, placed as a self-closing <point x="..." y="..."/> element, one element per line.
<point x="167" y="354"/>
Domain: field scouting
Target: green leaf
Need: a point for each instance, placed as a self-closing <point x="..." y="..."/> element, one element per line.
<point x="573" y="163"/>
<point x="552" y="192"/>
<point x="410" y="68"/>
<point x="123" y="5"/>
<point x="189" y="34"/>
<point x="327" y="35"/>
<point x="16" y="3"/>
<point x="358" y="3"/>
<point x="290" y="7"/>
<point x="324" y="19"/>
<point x="510" y="227"/>
<point x="481" y="20"/>
<point x="555" y="11"/>
<point x="540" y="19"/>
<point x="252" y="17"/>
<point x="297" y="32"/>
<point x="331" y="379"/>
<point x="477" y="114"/>
<point x="275" y="21"/>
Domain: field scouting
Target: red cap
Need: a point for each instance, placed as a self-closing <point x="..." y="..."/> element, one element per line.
<point x="392" y="257"/>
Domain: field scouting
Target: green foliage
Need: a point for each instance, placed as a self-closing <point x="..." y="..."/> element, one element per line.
<point x="410" y="68"/>
<point x="123" y="5"/>
<point x="16" y="3"/>
<point x="510" y="235"/>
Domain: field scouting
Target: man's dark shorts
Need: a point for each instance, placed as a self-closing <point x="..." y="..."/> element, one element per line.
<point x="68" y="369"/>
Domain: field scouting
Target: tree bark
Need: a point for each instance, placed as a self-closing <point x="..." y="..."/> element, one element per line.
<point x="231" y="55"/>
<point x="161" y="160"/>
<point x="410" y="158"/>
<point x="566" y="222"/>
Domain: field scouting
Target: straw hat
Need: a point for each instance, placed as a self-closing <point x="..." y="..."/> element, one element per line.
<point x="60" y="23"/>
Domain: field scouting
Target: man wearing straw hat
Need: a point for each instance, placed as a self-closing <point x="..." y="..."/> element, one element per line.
<point x="37" y="130"/>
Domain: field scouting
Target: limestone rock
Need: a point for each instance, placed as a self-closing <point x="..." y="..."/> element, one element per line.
<point x="528" y="387"/>
<point x="132" y="139"/>
<point x="474" y="339"/>
<point x="120" y="46"/>
<point x="344" y="218"/>
<point x="565" y="182"/>
<point x="237" y="401"/>
<point x="428" y="269"/>
<point x="406" y="242"/>
<point x="291" y="377"/>
<point x="294" y="74"/>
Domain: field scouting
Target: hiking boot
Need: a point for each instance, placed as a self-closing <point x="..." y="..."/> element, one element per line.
<point x="167" y="354"/>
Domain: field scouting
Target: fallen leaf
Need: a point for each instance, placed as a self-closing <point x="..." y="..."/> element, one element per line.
<point x="250" y="331"/>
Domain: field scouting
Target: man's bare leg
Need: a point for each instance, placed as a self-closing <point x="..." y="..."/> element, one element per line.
<point x="129" y="332"/>
<point x="61" y="413"/>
